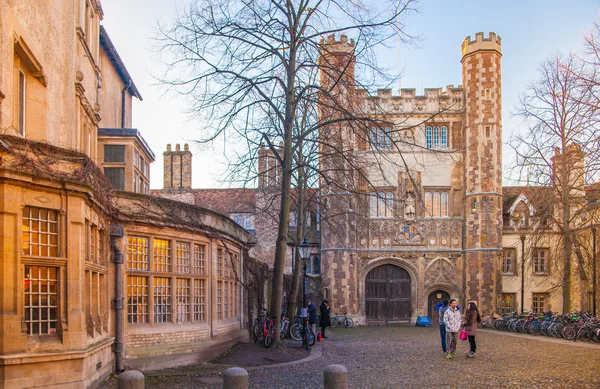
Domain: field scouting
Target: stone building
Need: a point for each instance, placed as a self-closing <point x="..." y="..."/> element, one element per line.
<point x="94" y="279"/>
<point x="424" y="220"/>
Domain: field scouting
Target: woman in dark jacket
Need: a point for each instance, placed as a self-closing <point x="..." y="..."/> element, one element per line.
<point x="325" y="319"/>
<point x="472" y="318"/>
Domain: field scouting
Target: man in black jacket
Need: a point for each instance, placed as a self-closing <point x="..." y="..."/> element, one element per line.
<point x="312" y="316"/>
<point x="325" y="318"/>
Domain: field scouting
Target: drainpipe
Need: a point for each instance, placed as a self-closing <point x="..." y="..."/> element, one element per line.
<point x="116" y="232"/>
<point x="123" y="92"/>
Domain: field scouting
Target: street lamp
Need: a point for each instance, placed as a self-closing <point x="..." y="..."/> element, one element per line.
<point x="304" y="249"/>
<point x="522" y="272"/>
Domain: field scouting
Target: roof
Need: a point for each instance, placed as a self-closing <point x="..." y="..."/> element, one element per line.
<point x="128" y="132"/>
<point x="536" y="195"/>
<point x="227" y="201"/>
<point x="114" y="57"/>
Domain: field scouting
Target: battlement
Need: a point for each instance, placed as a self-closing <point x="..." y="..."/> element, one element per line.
<point x="481" y="43"/>
<point x="342" y="45"/>
<point x="407" y="101"/>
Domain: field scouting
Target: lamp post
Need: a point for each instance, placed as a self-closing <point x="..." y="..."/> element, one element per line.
<point x="522" y="272"/>
<point x="594" y="279"/>
<point x="304" y="249"/>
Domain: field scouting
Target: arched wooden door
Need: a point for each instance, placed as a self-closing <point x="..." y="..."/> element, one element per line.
<point x="435" y="298"/>
<point x="387" y="295"/>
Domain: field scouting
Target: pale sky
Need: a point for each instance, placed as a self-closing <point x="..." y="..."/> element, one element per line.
<point x="531" y="30"/>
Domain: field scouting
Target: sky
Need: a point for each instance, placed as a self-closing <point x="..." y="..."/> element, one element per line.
<point x="531" y="30"/>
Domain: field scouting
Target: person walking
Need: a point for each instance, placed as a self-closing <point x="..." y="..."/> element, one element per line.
<point x="325" y="318"/>
<point x="472" y="318"/>
<point x="453" y="321"/>
<point x="443" y="310"/>
<point x="312" y="316"/>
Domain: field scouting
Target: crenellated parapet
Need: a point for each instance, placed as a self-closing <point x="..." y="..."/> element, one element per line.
<point x="490" y="43"/>
<point x="433" y="100"/>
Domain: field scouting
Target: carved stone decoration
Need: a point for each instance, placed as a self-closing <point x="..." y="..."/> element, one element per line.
<point x="409" y="187"/>
<point x="409" y="208"/>
<point x="440" y="271"/>
<point x="420" y="106"/>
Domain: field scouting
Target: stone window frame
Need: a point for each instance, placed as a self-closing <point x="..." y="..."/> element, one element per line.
<point x="168" y="308"/>
<point x="508" y="308"/>
<point x="382" y="203"/>
<point x="436" y="136"/>
<point x="540" y="268"/>
<point x="539" y="302"/>
<point x="380" y="139"/>
<point x="509" y="268"/>
<point x="443" y="205"/>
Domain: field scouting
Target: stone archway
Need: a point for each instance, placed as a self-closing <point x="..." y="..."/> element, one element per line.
<point x="435" y="297"/>
<point x="388" y="295"/>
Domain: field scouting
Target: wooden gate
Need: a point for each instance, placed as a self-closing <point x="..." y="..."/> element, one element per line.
<point x="387" y="295"/>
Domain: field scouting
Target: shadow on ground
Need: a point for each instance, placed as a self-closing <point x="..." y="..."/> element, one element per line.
<point x="256" y="354"/>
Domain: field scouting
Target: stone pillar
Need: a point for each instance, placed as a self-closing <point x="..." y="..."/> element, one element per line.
<point x="335" y="377"/>
<point x="235" y="378"/>
<point x="131" y="379"/>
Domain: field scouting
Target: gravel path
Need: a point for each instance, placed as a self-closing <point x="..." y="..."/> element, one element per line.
<point x="411" y="357"/>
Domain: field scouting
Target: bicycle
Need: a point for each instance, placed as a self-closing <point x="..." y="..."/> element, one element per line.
<point x="296" y="328"/>
<point x="285" y="323"/>
<point x="308" y="336"/>
<point x="257" y="334"/>
<point x="339" y="320"/>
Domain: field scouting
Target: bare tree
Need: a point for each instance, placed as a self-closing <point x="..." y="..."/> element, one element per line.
<point x="246" y="66"/>
<point x="559" y="149"/>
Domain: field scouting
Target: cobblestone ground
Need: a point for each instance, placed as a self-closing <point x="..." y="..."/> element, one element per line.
<point x="411" y="357"/>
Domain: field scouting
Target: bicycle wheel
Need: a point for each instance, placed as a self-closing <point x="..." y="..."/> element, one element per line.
<point x="535" y="328"/>
<point x="296" y="331"/>
<point x="311" y="338"/>
<point x="334" y="322"/>
<point x="569" y="332"/>
<point x="269" y="339"/>
<point x="284" y="326"/>
<point x="255" y="331"/>
<point x="348" y="322"/>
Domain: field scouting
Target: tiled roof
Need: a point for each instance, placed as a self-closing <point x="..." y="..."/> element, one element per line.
<point x="226" y="201"/>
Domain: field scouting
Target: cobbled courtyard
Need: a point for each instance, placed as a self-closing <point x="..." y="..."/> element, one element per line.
<point x="411" y="357"/>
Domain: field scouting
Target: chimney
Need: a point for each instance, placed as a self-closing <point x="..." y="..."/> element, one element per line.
<point x="177" y="167"/>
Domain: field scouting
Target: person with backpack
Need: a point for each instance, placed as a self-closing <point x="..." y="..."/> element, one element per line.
<point x="453" y="321"/>
<point x="443" y="310"/>
<point x="472" y="318"/>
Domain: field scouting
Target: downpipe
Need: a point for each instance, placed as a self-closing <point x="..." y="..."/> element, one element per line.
<point x="116" y="232"/>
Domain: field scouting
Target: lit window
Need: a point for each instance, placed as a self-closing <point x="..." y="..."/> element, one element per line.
<point x="137" y="299"/>
<point x="507" y="303"/>
<point x="137" y="253"/>
<point x="40" y="232"/>
<point x="162" y="255"/>
<point x="41" y="300"/>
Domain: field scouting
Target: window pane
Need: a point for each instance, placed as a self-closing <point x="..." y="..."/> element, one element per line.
<point x="114" y="153"/>
<point x="183" y="300"/>
<point x="444" y="204"/>
<point x="162" y="300"/>
<point x="428" y="201"/>
<point x="183" y="257"/>
<point x="444" y="137"/>
<point x="162" y="255"/>
<point x="428" y="138"/>
<point x="137" y="299"/>
<point x="436" y="137"/>
<point x="116" y="177"/>
<point x="436" y="204"/>
<point x="39" y="232"/>
<point x="40" y="300"/>
<point x="137" y="253"/>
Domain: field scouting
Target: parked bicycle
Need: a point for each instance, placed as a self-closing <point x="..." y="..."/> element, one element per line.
<point x="308" y="336"/>
<point x="338" y="320"/>
<point x="296" y="328"/>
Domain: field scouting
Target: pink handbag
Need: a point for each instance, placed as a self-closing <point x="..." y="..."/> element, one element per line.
<point x="463" y="335"/>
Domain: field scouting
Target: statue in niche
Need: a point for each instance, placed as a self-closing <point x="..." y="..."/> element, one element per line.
<point x="409" y="208"/>
<point x="408" y="184"/>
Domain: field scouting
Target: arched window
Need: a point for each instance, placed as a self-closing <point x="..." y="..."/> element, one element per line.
<point x="428" y="137"/>
<point x="428" y="200"/>
<point x="444" y="137"/>
<point x="436" y="137"/>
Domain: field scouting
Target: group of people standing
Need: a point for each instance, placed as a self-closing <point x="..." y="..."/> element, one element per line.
<point x="313" y="318"/>
<point x="451" y="323"/>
